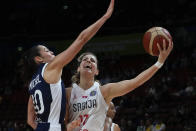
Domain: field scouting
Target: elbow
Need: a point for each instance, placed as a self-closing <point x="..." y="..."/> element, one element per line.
<point x="83" y="38"/>
<point x="31" y="124"/>
<point x="28" y="122"/>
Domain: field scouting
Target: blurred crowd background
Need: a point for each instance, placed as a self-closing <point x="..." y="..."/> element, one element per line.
<point x="168" y="99"/>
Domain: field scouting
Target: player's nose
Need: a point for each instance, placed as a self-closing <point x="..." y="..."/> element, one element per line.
<point x="52" y="52"/>
<point x="88" y="60"/>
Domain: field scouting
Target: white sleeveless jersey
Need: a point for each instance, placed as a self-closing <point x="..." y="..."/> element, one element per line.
<point x="88" y="105"/>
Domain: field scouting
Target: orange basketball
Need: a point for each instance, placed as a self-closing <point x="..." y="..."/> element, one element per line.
<point x="153" y="36"/>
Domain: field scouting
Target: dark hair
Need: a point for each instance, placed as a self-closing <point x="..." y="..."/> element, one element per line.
<point x="29" y="64"/>
<point x="76" y="77"/>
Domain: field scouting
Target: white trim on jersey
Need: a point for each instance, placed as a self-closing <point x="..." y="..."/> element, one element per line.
<point x="56" y="102"/>
<point x="112" y="127"/>
<point x="55" y="108"/>
<point x="43" y="69"/>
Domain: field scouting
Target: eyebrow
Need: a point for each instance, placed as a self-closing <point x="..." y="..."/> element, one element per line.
<point x="90" y="58"/>
<point x="45" y="49"/>
<point x="93" y="58"/>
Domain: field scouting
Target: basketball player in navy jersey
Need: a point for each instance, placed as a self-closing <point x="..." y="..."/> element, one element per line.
<point x="47" y="101"/>
<point x="109" y="125"/>
<point x="89" y="100"/>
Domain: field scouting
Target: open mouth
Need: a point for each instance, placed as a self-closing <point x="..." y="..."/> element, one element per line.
<point x="88" y="67"/>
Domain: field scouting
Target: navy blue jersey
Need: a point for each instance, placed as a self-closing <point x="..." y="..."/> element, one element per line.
<point x="49" y="99"/>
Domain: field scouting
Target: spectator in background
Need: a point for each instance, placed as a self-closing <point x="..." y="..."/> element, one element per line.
<point x="148" y="125"/>
<point x="123" y="124"/>
<point x="158" y="125"/>
<point x="141" y="126"/>
<point x="131" y="126"/>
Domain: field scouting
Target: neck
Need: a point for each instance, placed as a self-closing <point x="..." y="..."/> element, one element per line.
<point x="86" y="83"/>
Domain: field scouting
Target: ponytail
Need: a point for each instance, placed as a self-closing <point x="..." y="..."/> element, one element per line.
<point x="29" y="66"/>
<point x="76" y="78"/>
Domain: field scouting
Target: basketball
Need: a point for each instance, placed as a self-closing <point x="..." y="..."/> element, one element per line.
<point x="153" y="36"/>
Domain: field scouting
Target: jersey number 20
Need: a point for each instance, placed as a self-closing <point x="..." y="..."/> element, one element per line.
<point x="38" y="101"/>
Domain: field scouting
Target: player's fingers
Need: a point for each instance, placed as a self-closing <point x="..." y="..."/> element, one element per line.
<point x="74" y="124"/>
<point x="164" y="44"/>
<point x="159" y="47"/>
<point x="78" y="122"/>
<point x="70" y="125"/>
<point x="170" y="45"/>
<point x="170" y="42"/>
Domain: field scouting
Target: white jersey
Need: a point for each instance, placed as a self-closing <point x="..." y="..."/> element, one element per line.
<point x="88" y="105"/>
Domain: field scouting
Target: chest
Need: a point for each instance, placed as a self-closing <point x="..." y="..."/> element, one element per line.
<point x="84" y="100"/>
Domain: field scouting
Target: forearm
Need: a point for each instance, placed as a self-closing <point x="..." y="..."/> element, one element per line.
<point x="123" y="87"/>
<point x="89" y="32"/>
<point x="66" y="56"/>
<point x="145" y="75"/>
<point x="132" y="84"/>
<point x="55" y="68"/>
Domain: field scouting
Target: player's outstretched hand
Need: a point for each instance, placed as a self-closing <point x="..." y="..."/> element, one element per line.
<point x="109" y="10"/>
<point x="73" y="124"/>
<point x="164" y="52"/>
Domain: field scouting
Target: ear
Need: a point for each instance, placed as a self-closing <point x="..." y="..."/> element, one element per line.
<point x="38" y="59"/>
<point x="97" y="72"/>
<point x="78" y="70"/>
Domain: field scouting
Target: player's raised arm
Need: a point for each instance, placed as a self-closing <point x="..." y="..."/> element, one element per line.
<point x="112" y="90"/>
<point x="55" y="67"/>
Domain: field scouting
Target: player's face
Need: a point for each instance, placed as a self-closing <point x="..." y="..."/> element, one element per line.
<point x="88" y="65"/>
<point x="111" y="111"/>
<point x="46" y="55"/>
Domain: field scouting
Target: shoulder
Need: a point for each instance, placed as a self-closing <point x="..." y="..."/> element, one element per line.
<point x="51" y="75"/>
<point x="105" y="89"/>
<point x="116" y="127"/>
<point x="68" y="89"/>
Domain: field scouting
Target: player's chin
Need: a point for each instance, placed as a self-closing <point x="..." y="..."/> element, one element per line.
<point x="89" y="72"/>
<point x="52" y="57"/>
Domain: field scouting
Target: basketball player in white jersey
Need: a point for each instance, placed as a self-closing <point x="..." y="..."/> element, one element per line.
<point x="109" y="125"/>
<point x="89" y="100"/>
<point x="47" y="101"/>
